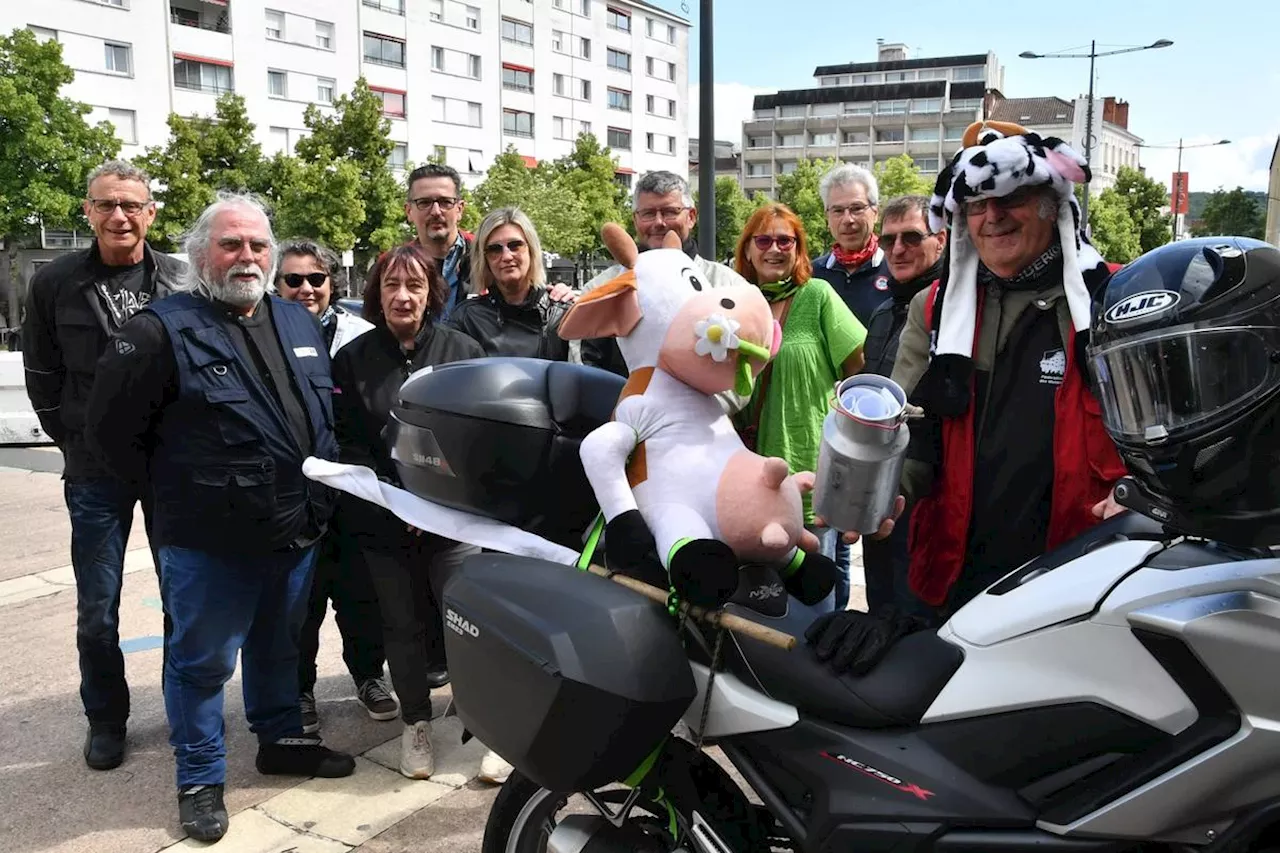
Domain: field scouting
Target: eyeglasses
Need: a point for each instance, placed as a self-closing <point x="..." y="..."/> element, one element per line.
<point x="107" y="206"/>
<point x="910" y="239"/>
<point x="667" y="213"/>
<point x="295" y="279"/>
<point x="765" y="241"/>
<point x="838" y="211"/>
<point x="493" y="250"/>
<point x="1014" y="200"/>
<point x="258" y="245"/>
<point x="425" y="204"/>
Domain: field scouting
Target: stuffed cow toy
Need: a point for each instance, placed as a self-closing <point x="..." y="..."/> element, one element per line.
<point x="669" y="472"/>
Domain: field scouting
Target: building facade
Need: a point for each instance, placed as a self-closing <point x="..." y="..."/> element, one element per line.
<point x="1272" y="233"/>
<point x="868" y="112"/>
<point x="1114" y="145"/>
<point x="728" y="159"/>
<point x="460" y="79"/>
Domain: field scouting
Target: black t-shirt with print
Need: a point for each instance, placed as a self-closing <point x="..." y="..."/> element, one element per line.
<point x="123" y="291"/>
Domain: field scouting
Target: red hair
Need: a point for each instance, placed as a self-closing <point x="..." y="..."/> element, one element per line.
<point x="803" y="270"/>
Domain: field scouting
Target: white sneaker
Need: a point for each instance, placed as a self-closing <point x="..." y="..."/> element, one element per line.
<point x="494" y="769"/>
<point x="417" y="760"/>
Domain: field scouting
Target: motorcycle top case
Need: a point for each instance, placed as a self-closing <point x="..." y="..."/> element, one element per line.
<point x="499" y="437"/>
<point x="572" y="678"/>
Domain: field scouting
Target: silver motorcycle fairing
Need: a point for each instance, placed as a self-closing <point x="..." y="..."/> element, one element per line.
<point x="736" y="709"/>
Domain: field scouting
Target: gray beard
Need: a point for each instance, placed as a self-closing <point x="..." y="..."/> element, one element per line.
<point x="241" y="294"/>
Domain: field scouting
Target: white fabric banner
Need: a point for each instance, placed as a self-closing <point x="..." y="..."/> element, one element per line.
<point x="432" y="517"/>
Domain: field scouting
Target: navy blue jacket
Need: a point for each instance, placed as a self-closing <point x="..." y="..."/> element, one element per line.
<point x="863" y="289"/>
<point x="176" y="405"/>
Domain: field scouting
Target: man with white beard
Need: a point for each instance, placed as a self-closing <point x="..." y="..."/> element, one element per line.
<point x="214" y="397"/>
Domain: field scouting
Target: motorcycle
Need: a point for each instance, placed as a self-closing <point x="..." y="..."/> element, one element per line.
<point x="1112" y="695"/>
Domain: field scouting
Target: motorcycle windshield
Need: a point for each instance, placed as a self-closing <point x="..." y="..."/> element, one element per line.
<point x="1157" y="386"/>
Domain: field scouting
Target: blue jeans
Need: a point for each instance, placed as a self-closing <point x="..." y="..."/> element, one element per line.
<point x="101" y="511"/>
<point x="221" y="606"/>
<point x="833" y="549"/>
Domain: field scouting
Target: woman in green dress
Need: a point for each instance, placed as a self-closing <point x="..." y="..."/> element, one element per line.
<point x="821" y="344"/>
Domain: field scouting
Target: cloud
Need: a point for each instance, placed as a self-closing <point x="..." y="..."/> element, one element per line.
<point x="733" y="107"/>
<point x="1246" y="162"/>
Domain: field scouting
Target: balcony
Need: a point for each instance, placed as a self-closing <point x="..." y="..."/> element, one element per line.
<point x="211" y="15"/>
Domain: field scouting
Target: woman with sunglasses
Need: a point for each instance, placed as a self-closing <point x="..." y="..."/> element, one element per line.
<point x="821" y="343"/>
<point x="509" y="310"/>
<point x="307" y="275"/>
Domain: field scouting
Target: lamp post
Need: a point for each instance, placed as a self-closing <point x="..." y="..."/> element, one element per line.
<point x="706" y="135"/>
<point x="1176" y="191"/>
<point x="1092" y="55"/>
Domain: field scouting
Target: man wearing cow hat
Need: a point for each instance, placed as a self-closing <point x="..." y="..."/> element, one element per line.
<point x="1011" y="458"/>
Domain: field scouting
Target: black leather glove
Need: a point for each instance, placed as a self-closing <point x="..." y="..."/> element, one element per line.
<point x="852" y="642"/>
<point x="630" y="549"/>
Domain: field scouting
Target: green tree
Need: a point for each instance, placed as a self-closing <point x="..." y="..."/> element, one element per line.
<point x="1233" y="213"/>
<point x="554" y="210"/>
<point x="799" y="191"/>
<point x="733" y="208"/>
<point x="587" y="174"/>
<point x="202" y="156"/>
<point x="320" y="199"/>
<point x="1146" y="200"/>
<point x="1115" y="235"/>
<point x="356" y="133"/>
<point x="899" y="176"/>
<point x="46" y="148"/>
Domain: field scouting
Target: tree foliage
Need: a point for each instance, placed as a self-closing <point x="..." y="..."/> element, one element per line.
<point x="1234" y="213"/>
<point x="559" y="215"/>
<point x="1145" y="200"/>
<point x="47" y="150"/>
<point x="899" y="176"/>
<point x="1115" y="235"/>
<point x="799" y="191"/>
<point x="733" y="208"/>
<point x="587" y="173"/>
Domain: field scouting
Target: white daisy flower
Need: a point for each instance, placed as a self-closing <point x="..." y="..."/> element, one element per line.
<point x="716" y="336"/>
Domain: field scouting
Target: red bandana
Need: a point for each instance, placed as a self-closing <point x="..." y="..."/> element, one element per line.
<point x="853" y="260"/>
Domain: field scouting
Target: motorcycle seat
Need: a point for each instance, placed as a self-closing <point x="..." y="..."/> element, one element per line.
<point x="897" y="692"/>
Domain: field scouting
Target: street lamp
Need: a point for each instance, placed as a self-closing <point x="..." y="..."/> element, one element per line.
<point x="1088" y="126"/>
<point x="1176" y="191"/>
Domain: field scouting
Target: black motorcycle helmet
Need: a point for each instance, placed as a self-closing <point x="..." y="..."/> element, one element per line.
<point x="1184" y="349"/>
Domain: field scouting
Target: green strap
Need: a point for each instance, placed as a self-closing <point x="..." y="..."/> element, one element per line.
<point x="793" y="564"/>
<point x="593" y="540"/>
<point x="637" y="775"/>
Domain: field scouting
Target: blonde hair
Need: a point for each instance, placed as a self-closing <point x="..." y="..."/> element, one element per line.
<point x="481" y="277"/>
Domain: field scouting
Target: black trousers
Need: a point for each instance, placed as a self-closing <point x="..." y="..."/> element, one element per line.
<point x="342" y="576"/>
<point x="409" y="581"/>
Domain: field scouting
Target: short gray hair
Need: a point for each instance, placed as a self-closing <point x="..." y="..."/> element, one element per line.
<point x="847" y="175"/>
<point x="481" y="278"/>
<point x="662" y="183"/>
<point x="122" y="169"/>
<point x="904" y="205"/>
<point x="323" y="255"/>
<point x="196" y="241"/>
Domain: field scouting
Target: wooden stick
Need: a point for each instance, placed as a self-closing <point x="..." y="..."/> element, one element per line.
<point x="717" y="618"/>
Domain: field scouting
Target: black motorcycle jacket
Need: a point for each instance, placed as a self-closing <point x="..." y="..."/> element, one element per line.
<point x="529" y="329"/>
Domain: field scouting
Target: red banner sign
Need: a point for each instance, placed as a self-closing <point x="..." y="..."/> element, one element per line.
<point x="1178" y="199"/>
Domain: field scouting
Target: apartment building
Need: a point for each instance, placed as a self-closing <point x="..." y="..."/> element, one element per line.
<point x="461" y="79"/>
<point x="866" y="112"/>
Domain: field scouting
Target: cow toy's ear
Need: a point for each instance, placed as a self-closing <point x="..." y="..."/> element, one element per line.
<point x="610" y="310"/>
<point x="620" y="245"/>
<point x="671" y="241"/>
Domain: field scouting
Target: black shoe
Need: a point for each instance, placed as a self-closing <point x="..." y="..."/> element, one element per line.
<point x="202" y="813"/>
<point x="303" y="756"/>
<point x="437" y="678"/>
<point x="104" y="746"/>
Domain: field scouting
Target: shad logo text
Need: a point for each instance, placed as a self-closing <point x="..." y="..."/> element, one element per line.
<point x="459" y="624"/>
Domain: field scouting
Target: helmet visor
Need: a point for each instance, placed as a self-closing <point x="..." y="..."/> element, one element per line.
<point x="1157" y="386"/>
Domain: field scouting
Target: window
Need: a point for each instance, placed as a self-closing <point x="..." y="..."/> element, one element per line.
<point x="619" y="138"/>
<point x="392" y="101"/>
<point x="584" y="48"/>
<point x="834" y="81"/>
<point x="953" y="132"/>
<point x="395" y="7"/>
<point x="974" y="72"/>
<point x="567" y="128"/>
<point x="117" y="58"/>
<point x="517" y="31"/>
<point x="441" y="154"/>
<point x="660" y="68"/>
<point x="472" y="16"/>
<point x="758" y="170"/>
<point x="794" y="111"/>
<point x="655" y="30"/>
<point x="475" y="162"/>
<point x="184" y="17"/>
<point x="122" y="120"/>
<point x="557" y="41"/>
<point x="201" y="76"/>
<point x="856" y="137"/>
<point x="517" y="78"/>
<point x="435" y="9"/>
<point x="618" y="20"/>
<point x="619" y="60"/>
<point x="931" y="74"/>
<point x="43" y="35"/>
<point x="324" y="35"/>
<point x="759" y="141"/>
<point x="899" y="76"/>
<point x="924" y="134"/>
<point x="381" y="50"/>
<point x="790" y="140"/>
<point x="620" y="99"/>
<point x="455" y="111"/>
<point x="517" y="123"/>
<point x="623" y="179"/>
<point x="789" y="167"/>
<point x="656" y="106"/>
<point x="660" y="143"/>
<point x="671" y="34"/>
<point x="825" y="110"/>
<point x="890" y="108"/>
<point x="764" y="115"/>
<point x="399" y="156"/>
<point x="966" y="105"/>
<point x="893" y="135"/>
<point x="927" y="164"/>
<point x="857" y="109"/>
<point x="275" y="25"/>
<point x="571" y="87"/>
<point x="324" y="90"/>
<point x="823" y="138"/>
<point x="455" y="62"/>
<point x="277" y="84"/>
<point x="927" y="105"/>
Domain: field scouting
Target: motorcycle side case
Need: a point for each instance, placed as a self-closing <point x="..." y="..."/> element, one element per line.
<point x="500" y="437"/>
<point x="570" y="677"/>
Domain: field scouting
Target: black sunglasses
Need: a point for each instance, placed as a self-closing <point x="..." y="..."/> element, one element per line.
<point x="495" y="249"/>
<point x="295" y="279"/>
<point x="910" y="239"/>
